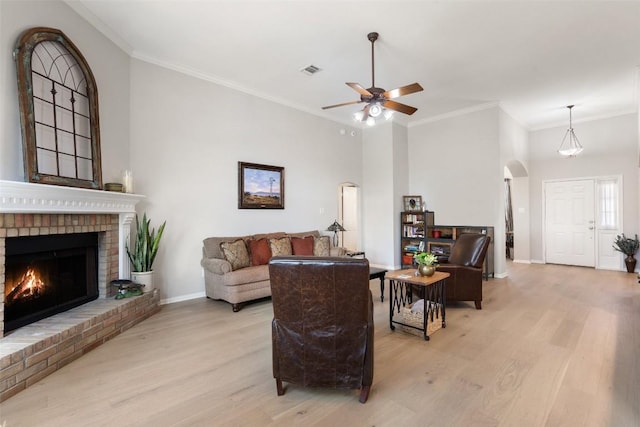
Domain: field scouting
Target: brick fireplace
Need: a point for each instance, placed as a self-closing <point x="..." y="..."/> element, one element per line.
<point x="34" y="351"/>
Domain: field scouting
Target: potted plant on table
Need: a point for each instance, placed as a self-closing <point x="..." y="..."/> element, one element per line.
<point x="427" y="263"/>
<point x="629" y="247"/>
<point x="144" y="252"/>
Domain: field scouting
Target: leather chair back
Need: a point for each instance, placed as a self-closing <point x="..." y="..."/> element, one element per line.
<point x="470" y="250"/>
<point x="322" y="329"/>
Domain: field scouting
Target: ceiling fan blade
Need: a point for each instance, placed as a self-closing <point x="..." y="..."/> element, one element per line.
<point x="342" y="105"/>
<point x="362" y="91"/>
<point x="404" y="90"/>
<point x="402" y="108"/>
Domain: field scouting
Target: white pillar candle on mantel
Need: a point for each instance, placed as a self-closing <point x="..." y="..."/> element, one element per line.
<point x="127" y="181"/>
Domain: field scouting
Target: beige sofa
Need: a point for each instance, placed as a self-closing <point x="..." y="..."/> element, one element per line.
<point x="228" y="277"/>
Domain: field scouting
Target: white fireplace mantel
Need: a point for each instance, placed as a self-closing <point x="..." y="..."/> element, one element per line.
<point x="25" y="197"/>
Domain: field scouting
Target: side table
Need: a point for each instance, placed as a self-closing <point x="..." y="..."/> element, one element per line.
<point x="431" y="289"/>
<point x="378" y="273"/>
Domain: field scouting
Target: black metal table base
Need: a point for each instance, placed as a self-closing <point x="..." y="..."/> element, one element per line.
<point x="401" y="295"/>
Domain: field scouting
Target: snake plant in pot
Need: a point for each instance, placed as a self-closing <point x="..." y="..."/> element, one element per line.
<point x="144" y="251"/>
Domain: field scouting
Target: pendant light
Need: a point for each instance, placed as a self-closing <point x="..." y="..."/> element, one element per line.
<point x="572" y="147"/>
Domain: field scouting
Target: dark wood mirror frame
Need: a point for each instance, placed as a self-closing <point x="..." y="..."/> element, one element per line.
<point x="23" y="55"/>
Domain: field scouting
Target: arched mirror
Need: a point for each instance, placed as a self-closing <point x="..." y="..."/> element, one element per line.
<point x="58" y="111"/>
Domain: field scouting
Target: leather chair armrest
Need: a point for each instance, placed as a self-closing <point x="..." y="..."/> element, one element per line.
<point x="461" y="272"/>
<point x="216" y="265"/>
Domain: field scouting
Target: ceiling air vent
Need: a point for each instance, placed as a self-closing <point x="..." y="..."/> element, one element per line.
<point x="310" y="70"/>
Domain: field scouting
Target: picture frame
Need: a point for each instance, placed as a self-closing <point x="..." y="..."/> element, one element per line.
<point x="260" y="186"/>
<point x="412" y="203"/>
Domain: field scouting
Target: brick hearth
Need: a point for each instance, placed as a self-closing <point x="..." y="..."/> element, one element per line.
<point x="34" y="351"/>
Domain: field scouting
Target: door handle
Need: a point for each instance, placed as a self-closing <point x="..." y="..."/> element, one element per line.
<point x="590" y="228"/>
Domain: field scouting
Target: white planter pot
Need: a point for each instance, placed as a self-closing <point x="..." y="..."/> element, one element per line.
<point x="145" y="278"/>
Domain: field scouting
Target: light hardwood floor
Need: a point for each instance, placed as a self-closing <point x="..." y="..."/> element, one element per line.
<point x="552" y="346"/>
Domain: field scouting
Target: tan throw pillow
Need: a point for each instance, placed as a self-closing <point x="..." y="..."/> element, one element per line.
<point x="281" y="246"/>
<point x="321" y="246"/>
<point x="260" y="252"/>
<point x="302" y="246"/>
<point x="236" y="253"/>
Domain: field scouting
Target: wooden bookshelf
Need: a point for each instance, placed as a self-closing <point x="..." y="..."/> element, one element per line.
<point x="413" y="234"/>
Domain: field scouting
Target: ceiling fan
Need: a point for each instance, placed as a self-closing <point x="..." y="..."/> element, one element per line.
<point x="378" y="99"/>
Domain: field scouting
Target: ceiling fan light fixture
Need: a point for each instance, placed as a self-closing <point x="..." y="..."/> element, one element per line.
<point x="378" y="100"/>
<point x="358" y="116"/>
<point x="375" y="110"/>
<point x="371" y="121"/>
<point x="573" y="147"/>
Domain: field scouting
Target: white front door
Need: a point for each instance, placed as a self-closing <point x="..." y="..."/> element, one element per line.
<point x="570" y="222"/>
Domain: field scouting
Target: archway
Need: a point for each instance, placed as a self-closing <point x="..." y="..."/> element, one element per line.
<point x="517" y="185"/>
<point x="349" y="216"/>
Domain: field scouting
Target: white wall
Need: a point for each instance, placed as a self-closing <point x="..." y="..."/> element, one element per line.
<point x="187" y="137"/>
<point x="400" y="184"/>
<point x="379" y="234"/>
<point x="110" y="66"/>
<point x="609" y="145"/>
<point x="454" y="164"/>
<point x="514" y="154"/>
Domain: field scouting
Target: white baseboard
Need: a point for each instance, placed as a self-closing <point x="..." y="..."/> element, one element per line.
<point x="522" y="261"/>
<point x="183" y="298"/>
<point x="500" y="275"/>
<point x="537" y="261"/>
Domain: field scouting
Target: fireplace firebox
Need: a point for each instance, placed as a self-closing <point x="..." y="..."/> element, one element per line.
<point x="48" y="274"/>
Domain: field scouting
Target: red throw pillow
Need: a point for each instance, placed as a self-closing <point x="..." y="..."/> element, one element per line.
<point x="302" y="246"/>
<point x="260" y="252"/>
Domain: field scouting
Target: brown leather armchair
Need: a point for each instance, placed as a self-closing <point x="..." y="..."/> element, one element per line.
<point x="322" y="329"/>
<point x="465" y="265"/>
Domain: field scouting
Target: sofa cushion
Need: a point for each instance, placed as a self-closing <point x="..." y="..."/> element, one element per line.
<point x="260" y="253"/>
<point x="268" y="236"/>
<point x="302" y="246"/>
<point x="212" y="248"/>
<point x="321" y="246"/>
<point x="281" y="246"/>
<point x="314" y="233"/>
<point x="236" y="253"/>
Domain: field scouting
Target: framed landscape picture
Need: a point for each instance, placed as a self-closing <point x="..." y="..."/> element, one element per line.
<point x="260" y="186"/>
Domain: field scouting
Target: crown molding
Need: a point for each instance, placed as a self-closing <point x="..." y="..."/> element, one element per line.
<point x="99" y="25"/>
<point x="456" y="113"/>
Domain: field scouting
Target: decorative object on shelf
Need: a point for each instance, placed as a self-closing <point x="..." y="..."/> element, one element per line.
<point x="260" y="186"/>
<point x="144" y="252"/>
<point x="127" y="288"/>
<point x="379" y="101"/>
<point x="127" y="181"/>
<point x="54" y="78"/>
<point x="629" y="247"/>
<point x="113" y="186"/>
<point x="573" y="147"/>
<point x="427" y="263"/>
<point x="412" y="203"/>
<point x="335" y="227"/>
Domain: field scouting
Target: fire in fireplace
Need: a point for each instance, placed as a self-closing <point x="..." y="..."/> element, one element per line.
<point x="45" y="275"/>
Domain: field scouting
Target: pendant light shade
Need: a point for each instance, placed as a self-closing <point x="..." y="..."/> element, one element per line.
<point x="570" y="146"/>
